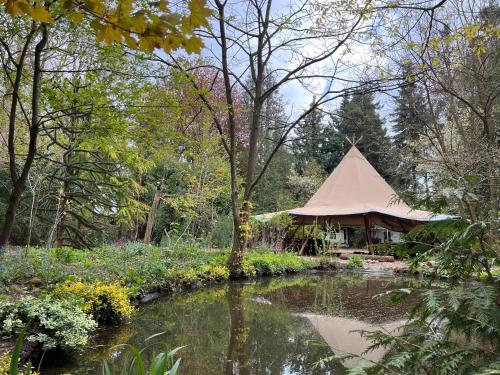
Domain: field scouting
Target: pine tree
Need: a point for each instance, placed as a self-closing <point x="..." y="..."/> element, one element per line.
<point x="317" y="141"/>
<point x="332" y="148"/>
<point x="272" y="194"/>
<point x="408" y="123"/>
<point x="358" y="117"/>
<point x="308" y="139"/>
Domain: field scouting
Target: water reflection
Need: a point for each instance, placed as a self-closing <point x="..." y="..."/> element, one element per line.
<point x="276" y="326"/>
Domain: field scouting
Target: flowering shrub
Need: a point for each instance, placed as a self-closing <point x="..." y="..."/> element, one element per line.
<point x="106" y="302"/>
<point x="211" y="272"/>
<point x="53" y="323"/>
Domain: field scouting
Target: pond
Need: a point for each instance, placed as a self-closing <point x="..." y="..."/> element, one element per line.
<point x="270" y="326"/>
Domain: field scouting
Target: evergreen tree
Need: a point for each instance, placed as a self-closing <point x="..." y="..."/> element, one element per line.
<point x="408" y="123"/>
<point x="317" y="141"/>
<point x="332" y="148"/>
<point x="272" y="194"/>
<point x="358" y="117"/>
<point x="308" y="139"/>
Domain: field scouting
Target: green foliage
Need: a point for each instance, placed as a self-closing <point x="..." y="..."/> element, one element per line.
<point x="403" y="250"/>
<point x="161" y="363"/>
<point x="9" y="362"/>
<point x="459" y="248"/>
<point x="273" y="264"/>
<point x="386" y="248"/>
<point x="450" y="331"/>
<point x="55" y="324"/>
<point x="222" y="235"/>
<point x="356" y="261"/>
<point x="139" y="267"/>
<point x="106" y="302"/>
<point x="455" y="329"/>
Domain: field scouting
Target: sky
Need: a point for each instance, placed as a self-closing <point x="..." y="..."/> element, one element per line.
<point x="296" y="96"/>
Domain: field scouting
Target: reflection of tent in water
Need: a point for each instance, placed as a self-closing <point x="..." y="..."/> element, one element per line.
<point x="337" y="332"/>
<point x="355" y="195"/>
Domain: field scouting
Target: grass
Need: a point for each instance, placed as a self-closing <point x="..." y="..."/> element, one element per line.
<point x="140" y="268"/>
<point x="99" y="283"/>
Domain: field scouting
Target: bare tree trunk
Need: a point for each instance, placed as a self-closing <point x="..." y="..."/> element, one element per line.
<point x="61" y="217"/>
<point x="20" y="182"/>
<point x="493" y="170"/>
<point x="152" y="214"/>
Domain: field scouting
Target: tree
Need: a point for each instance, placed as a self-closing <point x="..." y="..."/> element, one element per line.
<point x="319" y="141"/>
<point x="409" y="120"/>
<point x="460" y="79"/>
<point x="262" y="36"/>
<point x="308" y="139"/>
<point x="142" y="28"/>
<point x="358" y="117"/>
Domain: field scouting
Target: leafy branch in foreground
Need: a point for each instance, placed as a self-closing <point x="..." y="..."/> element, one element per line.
<point x="450" y="331"/>
<point x="460" y="248"/>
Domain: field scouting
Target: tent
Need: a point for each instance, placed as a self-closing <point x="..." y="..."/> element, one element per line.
<point x="356" y="195"/>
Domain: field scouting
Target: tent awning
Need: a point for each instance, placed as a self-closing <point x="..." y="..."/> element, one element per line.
<point x="355" y="192"/>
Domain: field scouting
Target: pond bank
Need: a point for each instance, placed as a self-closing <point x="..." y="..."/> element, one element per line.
<point x="101" y="282"/>
<point x="278" y="325"/>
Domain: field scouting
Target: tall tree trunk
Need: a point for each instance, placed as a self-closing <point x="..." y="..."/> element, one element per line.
<point x="152" y="214"/>
<point x="20" y="181"/>
<point x="493" y="169"/>
<point x="61" y="218"/>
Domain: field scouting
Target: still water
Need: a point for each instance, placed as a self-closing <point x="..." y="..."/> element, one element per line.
<point x="271" y="326"/>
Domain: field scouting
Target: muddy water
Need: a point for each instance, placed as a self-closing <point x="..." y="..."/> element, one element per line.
<point x="274" y="326"/>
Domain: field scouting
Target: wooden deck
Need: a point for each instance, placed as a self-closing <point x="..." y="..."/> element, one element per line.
<point x="347" y="251"/>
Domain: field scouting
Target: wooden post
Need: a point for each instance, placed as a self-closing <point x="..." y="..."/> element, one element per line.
<point x="368" y="233"/>
<point x="302" y="249"/>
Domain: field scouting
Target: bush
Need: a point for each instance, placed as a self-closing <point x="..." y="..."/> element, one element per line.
<point x="356" y="261"/>
<point x="54" y="324"/>
<point x="383" y="249"/>
<point x="258" y="263"/>
<point x="106" y="302"/>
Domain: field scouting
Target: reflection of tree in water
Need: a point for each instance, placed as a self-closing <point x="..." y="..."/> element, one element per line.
<point x="267" y="339"/>
<point x="237" y="351"/>
<point x="254" y="328"/>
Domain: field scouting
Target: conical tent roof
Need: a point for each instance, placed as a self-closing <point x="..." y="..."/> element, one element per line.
<point x="356" y="188"/>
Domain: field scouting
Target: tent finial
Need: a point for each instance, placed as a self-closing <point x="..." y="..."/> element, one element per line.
<point x="354" y="141"/>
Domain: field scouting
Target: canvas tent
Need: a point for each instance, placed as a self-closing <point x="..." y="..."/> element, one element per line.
<point x="356" y="195"/>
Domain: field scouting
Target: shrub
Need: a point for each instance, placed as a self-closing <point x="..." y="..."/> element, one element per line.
<point x="63" y="254"/>
<point x="383" y="248"/>
<point x="53" y="323"/>
<point x="213" y="272"/>
<point x="106" y="302"/>
<point x="356" y="261"/>
<point x="258" y="263"/>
